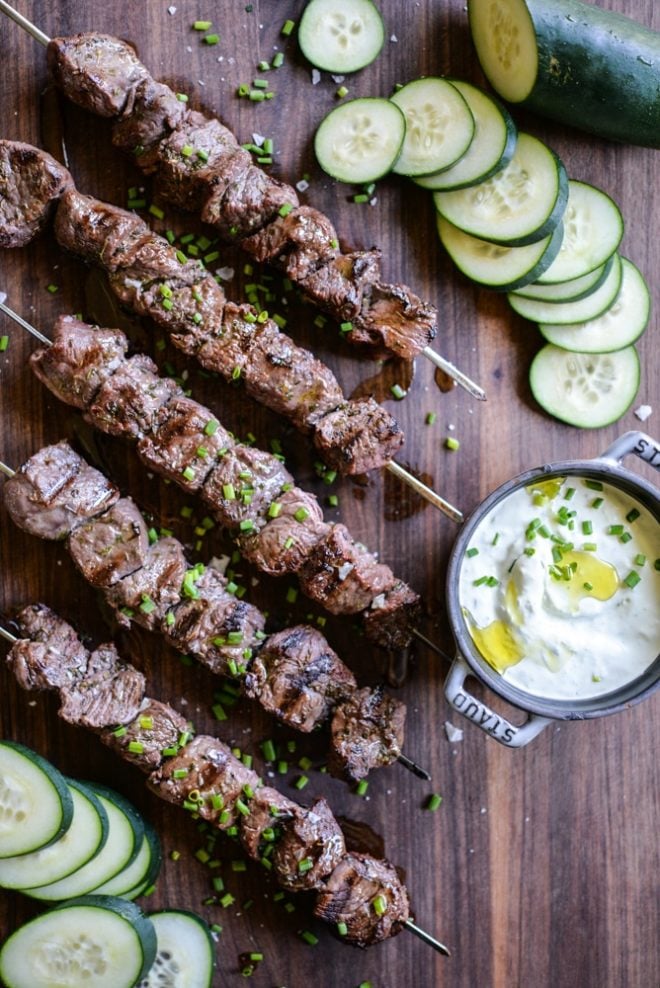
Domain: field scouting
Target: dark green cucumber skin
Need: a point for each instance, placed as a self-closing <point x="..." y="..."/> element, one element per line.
<point x="598" y="71"/>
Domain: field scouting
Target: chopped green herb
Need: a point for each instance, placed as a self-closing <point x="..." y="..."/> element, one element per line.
<point x="452" y="443"/>
<point x="398" y="392"/>
<point x="639" y="559"/>
<point x="379" y="905"/>
<point x="632" y="515"/>
<point x="593" y="485"/>
<point x="301" y="782"/>
<point x="211" y="39"/>
<point x="434" y="801"/>
<point x="287" y="28"/>
<point x="361" y="788"/>
<point x="4" y="343"/>
<point x="472" y="552"/>
<point x="632" y="579"/>
<point x="278" y="60"/>
<point x="587" y="528"/>
<point x="341" y="92"/>
<point x="202" y="25"/>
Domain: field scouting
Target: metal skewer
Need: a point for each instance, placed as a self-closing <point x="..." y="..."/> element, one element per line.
<point x="409" y="925"/>
<point x="461" y="379"/>
<point x="420" y="488"/>
<point x="432" y="645"/>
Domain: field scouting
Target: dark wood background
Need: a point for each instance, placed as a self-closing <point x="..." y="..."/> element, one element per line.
<point x="540" y="867"/>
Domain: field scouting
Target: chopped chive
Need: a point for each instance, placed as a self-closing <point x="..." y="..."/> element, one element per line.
<point x="398" y="392"/>
<point x="597" y="502"/>
<point x="282" y="767"/>
<point x="590" y="547"/>
<point x="305" y="865"/>
<point x="260" y="84"/>
<point x="347" y="327"/>
<point x="452" y="443"/>
<point x="570" y="491"/>
<point x="342" y="929"/>
<point x="472" y="552"/>
<point x="211" y="39"/>
<point x="301" y="514"/>
<point x="341" y="92"/>
<point x="246" y="525"/>
<point x="278" y="60"/>
<point x="632" y="579"/>
<point x="587" y="528"/>
<point x="361" y="788"/>
<point x="593" y="485"/>
<point x="430" y="418"/>
<point x="4" y="343"/>
<point x="301" y="782"/>
<point x="287" y="28"/>
<point x="257" y="95"/>
<point x="639" y="559"/>
<point x="228" y="492"/>
<point x="626" y="537"/>
<point x="268" y="749"/>
<point x="434" y="802"/>
<point x="189" y="474"/>
<point x="291" y="595"/>
<point x="119" y="732"/>
<point x="588" y="586"/>
<point x="227" y="900"/>
<point x="480" y="582"/>
<point x="361" y="197"/>
<point x="263" y="66"/>
<point x="202" y="25"/>
<point x="53" y="289"/>
<point x="632" y="515"/>
<point x="615" y="530"/>
<point x="305" y="934"/>
<point x="379" y="905"/>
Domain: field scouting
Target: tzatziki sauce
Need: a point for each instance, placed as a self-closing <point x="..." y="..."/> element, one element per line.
<point x="560" y="588"/>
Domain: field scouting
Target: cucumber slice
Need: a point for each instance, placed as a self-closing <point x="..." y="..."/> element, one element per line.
<point x="618" y="327"/>
<point x="141" y="873"/>
<point x="125" y="835"/>
<point x="564" y="313"/>
<point x="341" y="35"/>
<point x="492" y="146"/>
<point x="519" y="205"/>
<point x="494" y="265"/>
<point x="94" y="940"/>
<point x="359" y="141"/>
<point x="439" y="126"/>
<point x="186" y="951"/>
<point x="582" y="389"/>
<point x="593" y="230"/>
<point x="36" y="805"/>
<point x="569" y="291"/>
<point x="84" y="838"/>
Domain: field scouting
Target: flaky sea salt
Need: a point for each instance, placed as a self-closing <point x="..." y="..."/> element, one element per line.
<point x="643" y="412"/>
<point x="454" y="734"/>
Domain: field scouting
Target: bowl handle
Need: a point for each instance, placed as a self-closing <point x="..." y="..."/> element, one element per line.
<point x="498" y="727"/>
<point x="634" y="442"/>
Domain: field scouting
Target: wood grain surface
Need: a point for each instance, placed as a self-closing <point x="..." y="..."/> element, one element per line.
<point x="541" y="866"/>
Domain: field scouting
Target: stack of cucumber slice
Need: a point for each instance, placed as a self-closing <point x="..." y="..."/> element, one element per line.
<point x="61" y="838"/>
<point x="86" y="847"/>
<point x="511" y="220"/>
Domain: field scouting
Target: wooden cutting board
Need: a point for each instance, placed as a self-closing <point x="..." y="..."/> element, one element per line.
<point x="540" y="867"/>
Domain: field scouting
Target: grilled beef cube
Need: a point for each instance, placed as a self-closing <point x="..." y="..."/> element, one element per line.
<point x="112" y="546"/>
<point x="367" y="732"/>
<point x="259" y="826"/>
<point x="156" y="727"/>
<point x="285" y="542"/>
<point x="50" y="655"/>
<point x="250" y="200"/>
<point x="341" y="575"/>
<point x="200" y="155"/>
<point x="310" y="848"/>
<point x="30" y="180"/>
<point x="243" y="484"/>
<point x="96" y="231"/>
<point x="226" y="348"/>
<point x="181" y="445"/>
<point x="96" y="71"/>
<point x="54" y="491"/>
<point x="79" y="360"/>
<point x="128" y="403"/>
<point x="218" y="628"/>
<point x="206" y="770"/>
<point x="155" y="112"/>
<point x="183" y="298"/>
<point x="340" y="285"/>
<point x="148" y="594"/>
<point x="395" y="321"/>
<point x="290" y="380"/>
<point x="109" y="694"/>
<point x="392" y="617"/>
<point x="297" y="677"/>
<point x="297" y="243"/>
<point x="349" y="894"/>
<point x="358" y="436"/>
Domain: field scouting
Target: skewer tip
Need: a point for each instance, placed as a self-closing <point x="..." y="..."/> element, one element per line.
<point x="427" y="938"/>
<point x="413" y="767"/>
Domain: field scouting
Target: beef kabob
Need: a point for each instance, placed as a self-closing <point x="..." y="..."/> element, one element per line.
<point x="200" y="166"/>
<point x="303" y="847"/>
<point x="277" y="525"/>
<point x="239" y="342"/>
<point x="293" y="674"/>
